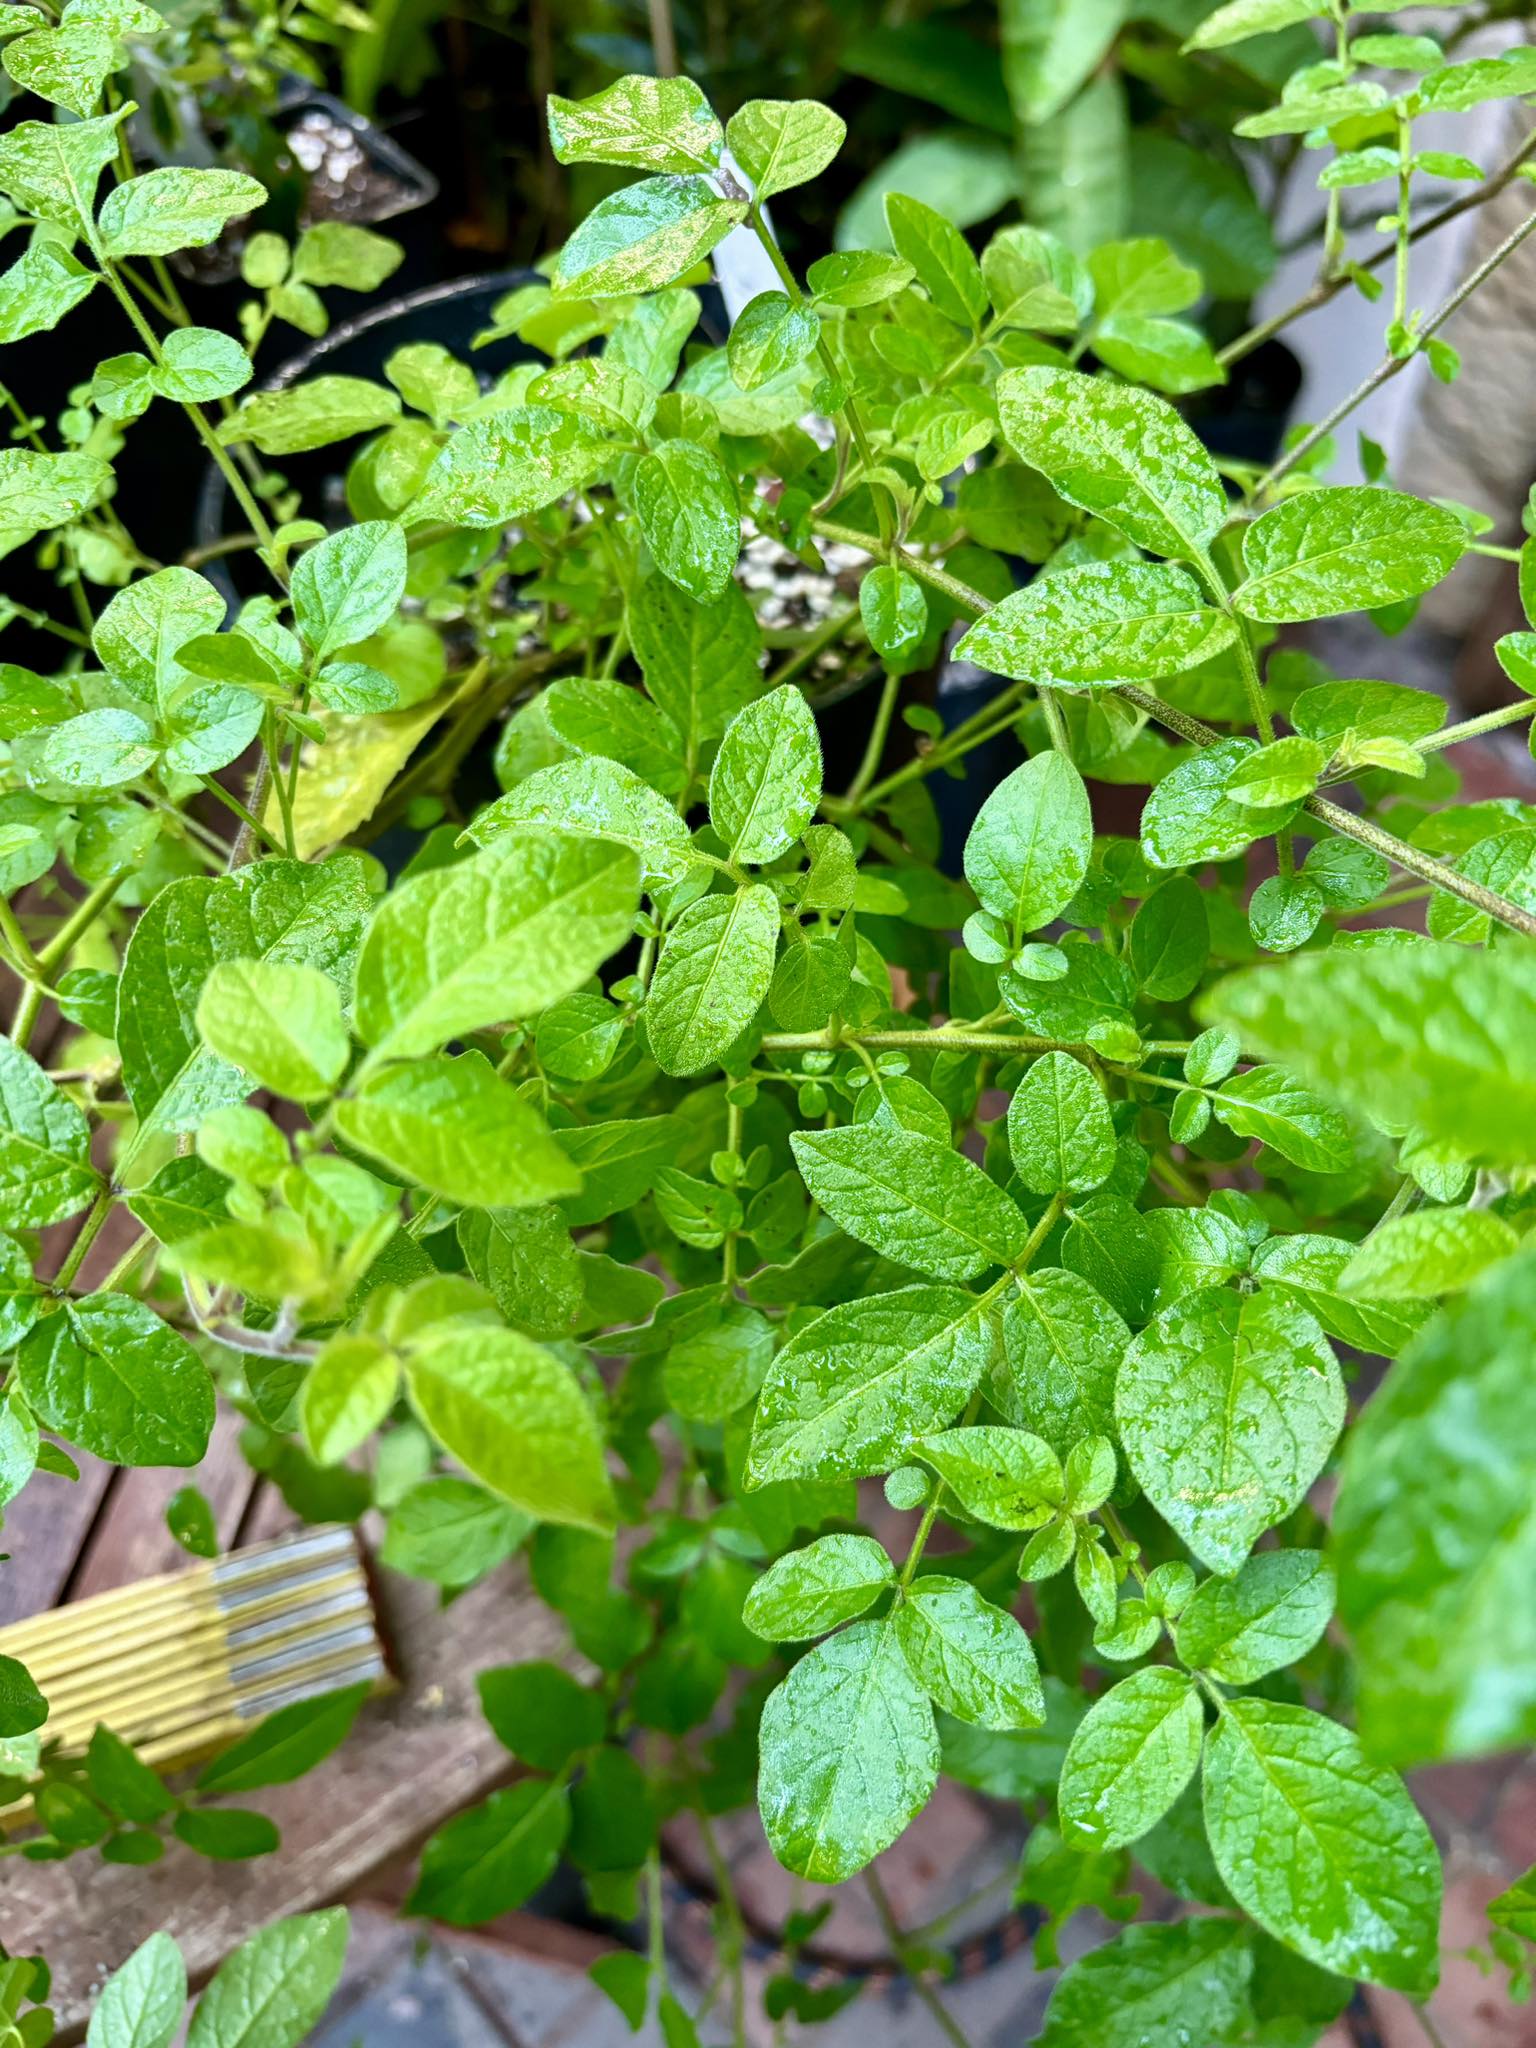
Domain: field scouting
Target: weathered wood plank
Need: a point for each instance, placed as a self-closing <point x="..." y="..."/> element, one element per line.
<point x="45" y="1528"/>
<point x="129" y="1539"/>
<point x="413" y="1759"/>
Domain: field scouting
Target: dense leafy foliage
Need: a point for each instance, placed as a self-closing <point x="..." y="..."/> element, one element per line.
<point x="671" y="1143"/>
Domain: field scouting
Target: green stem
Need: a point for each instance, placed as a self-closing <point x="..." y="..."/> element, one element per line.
<point x="1404" y="181"/>
<point x="219" y="454"/>
<point x="849" y="407"/>
<point x="941" y="1038"/>
<point x="827" y="634"/>
<point x="10" y="930"/>
<point x="80" y="919"/>
<point x="1471" y="728"/>
<point x="1393" y="366"/>
<point x="1407" y="857"/>
<point x="1329" y="286"/>
<point x="90" y="1229"/>
<point x="874" y="747"/>
<point x="901" y="1950"/>
<point x="248" y="820"/>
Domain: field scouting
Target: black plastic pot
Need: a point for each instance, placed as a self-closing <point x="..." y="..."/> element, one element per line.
<point x="451" y="314"/>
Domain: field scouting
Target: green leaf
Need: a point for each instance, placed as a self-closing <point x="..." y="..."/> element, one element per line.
<point x="1240" y="19"/>
<point x="1228" y="1407"/>
<point x="313" y="414"/>
<point x="713" y="973"/>
<point x="1034" y="281"/>
<point x="290" y="912"/>
<point x="712" y="1372"/>
<point x="850" y="1754"/>
<point x="766" y="781"/>
<point x="491" y="939"/>
<point x="782" y="143"/>
<point x="141" y="2004"/>
<point x="1515" y="1907"/>
<point x="1269" y="1616"/>
<point x="1170" y="940"/>
<point x="349" y="585"/>
<point x="700" y="661"/>
<point x="540" y="1713"/>
<point x="1003" y="1477"/>
<point x="1170" y="355"/>
<point x="1324" y="1850"/>
<point x="274" y="1987"/>
<point x="347" y="1394"/>
<point x="122" y="1782"/>
<point x="912" y="1198"/>
<point x="598" y="798"/>
<point x="1059" y="1129"/>
<point x="1460" y="86"/>
<point x="771" y="334"/>
<point x="1429" y="1253"/>
<point x="45" y="1147"/>
<point x="1028" y="851"/>
<point x="1194" y="1248"/>
<point x="1409" y="1034"/>
<point x="1152" y="1984"/>
<point x="226" y="1834"/>
<point x="99" y="750"/>
<point x="451" y="1532"/>
<point x="894" y="612"/>
<point x="161" y="211"/>
<point x="38" y="492"/>
<point x="853" y="1391"/>
<point x="454" y="1127"/>
<point x="514" y="1417"/>
<point x="335" y="252"/>
<point x="1436" y="1533"/>
<point x="857" y="277"/>
<point x="815" y="1589"/>
<point x="1062" y="1344"/>
<point x="1308" y="1268"/>
<point x="1345" y="548"/>
<point x="1189" y="818"/>
<point x="1206" y="207"/>
<point x="144" y="627"/>
<point x="528" y="1261"/>
<point x="509" y="464"/>
<point x="687" y="507"/>
<point x="44" y="284"/>
<point x="1121" y="454"/>
<point x="940" y="258"/>
<point x="971" y="1658"/>
<point x="1132" y="1755"/>
<point x="1280" y="773"/>
<point x="1050" y="48"/>
<point x="51" y="168"/>
<point x="189" y="1519"/>
<point x="1269" y="1104"/>
<point x="287" y="1744"/>
<point x="650" y="124"/>
<point x="644" y="236"/>
<point x="1104" y="622"/>
<point x="107" y="1374"/>
<point x="22" y="1706"/>
<point x="199" y="365"/>
<point x="278" y="1021"/>
<point x="68" y="65"/>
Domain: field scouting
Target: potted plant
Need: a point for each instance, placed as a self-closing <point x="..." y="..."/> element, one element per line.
<point x="675" y="1151"/>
